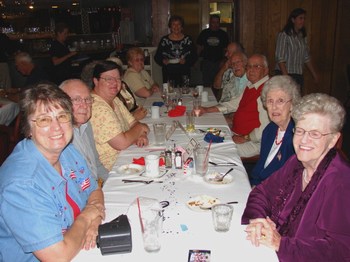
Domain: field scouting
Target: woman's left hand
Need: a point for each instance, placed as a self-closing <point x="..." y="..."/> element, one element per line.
<point x="142" y="141"/>
<point x="263" y="231"/>
<point x="140" y="113"/>
<point x="91" y="234"/>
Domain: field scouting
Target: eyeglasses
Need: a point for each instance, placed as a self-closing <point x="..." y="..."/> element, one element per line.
<point x="111" y="80"/>
<point x="278" y="102"/>
<point x="255" y="67"/>
<point x="44" y="121"/>
<point x="79" y="100"/>
<point x="298" y="131"/>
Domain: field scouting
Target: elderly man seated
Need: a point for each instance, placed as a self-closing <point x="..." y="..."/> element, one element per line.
<point x="83" y="138"/>
<point x="251" y="117"/>
<point x="233" y="87"/>
<point x="26" y="67"/>
<point x="224" y="78"/>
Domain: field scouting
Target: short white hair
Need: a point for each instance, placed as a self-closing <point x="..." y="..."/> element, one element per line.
<point x="23" y="56"/>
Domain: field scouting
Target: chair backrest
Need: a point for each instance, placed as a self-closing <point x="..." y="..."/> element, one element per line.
<point x="13" y="132"/>
<point x="339" y="147"/>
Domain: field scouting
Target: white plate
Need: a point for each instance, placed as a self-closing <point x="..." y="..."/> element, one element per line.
<point x="130" y="170"/>
<point x="205" y="201"/>
<point x="210" y="178"/>
<point x="174" y="61"/>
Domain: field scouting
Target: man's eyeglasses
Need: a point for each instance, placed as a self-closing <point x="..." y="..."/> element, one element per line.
<point x="79" y="100"/>
<point x="278" y="102"/>
<point x="111" y="80"/>
<point x="255" y="67"/>
<point x="44" y="121"/>
<point x="298" y="131"/>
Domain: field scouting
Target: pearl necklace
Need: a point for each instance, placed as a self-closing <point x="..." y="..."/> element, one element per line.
<point x="305" y="177"/>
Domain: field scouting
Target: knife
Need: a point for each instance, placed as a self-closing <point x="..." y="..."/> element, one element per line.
<point x="223" y="164"/>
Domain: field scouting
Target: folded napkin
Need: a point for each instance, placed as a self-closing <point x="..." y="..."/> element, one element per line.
<point x="213" y="138"/>
<point x="177" y="111"/>
<point x="160" y="104"/>
<point x="141" y="161"/>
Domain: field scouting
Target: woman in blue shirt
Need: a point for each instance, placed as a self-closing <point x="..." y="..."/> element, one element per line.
<point x="50" y="206"/>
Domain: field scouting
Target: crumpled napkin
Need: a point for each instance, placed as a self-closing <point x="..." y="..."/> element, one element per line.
<point x="177" y="111"/>
<point x="141" y="161"/>
<point x="213" y="138"/>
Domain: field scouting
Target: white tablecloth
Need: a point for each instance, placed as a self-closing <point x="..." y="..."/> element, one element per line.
<point x="183" y="228"/>
<point x="8" y="111"/>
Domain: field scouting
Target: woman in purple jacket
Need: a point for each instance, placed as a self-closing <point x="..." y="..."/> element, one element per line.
<point x="302" y="210"/>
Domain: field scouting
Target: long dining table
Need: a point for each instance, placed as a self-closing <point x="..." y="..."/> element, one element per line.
<point x="184" y="228"/>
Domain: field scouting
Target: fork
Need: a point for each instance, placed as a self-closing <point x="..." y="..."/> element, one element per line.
<point x="140" y="181"/>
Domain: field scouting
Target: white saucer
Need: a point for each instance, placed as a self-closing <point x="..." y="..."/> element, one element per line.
<point x="204" y="201"/>
<point x="130" y="170"/>
<point x="210" y="179"/>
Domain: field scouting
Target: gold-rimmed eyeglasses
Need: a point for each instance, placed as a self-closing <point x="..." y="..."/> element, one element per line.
<point x="111" y="80"/>
<point x="44" y="121"/>
<point x="298" y="131"/>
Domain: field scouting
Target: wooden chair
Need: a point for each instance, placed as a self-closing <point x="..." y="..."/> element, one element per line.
<point x="4" y="146"/>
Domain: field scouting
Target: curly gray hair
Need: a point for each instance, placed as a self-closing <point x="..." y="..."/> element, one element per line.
<point x="284" y="83"/>
<point x="322" y="104"/>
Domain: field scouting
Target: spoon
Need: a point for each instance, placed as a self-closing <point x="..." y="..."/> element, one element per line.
<point x="221" y="178"/>
<point x="208" y="208"/>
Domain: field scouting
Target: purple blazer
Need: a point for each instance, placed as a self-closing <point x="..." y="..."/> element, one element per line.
<point x="323" y="233"/>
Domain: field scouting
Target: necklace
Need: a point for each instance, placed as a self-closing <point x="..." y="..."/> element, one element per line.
<point x="305" y="177"/>
<point x="276" y="141"/>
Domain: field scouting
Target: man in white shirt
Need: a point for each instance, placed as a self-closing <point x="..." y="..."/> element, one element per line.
<point x="83" y="138"/>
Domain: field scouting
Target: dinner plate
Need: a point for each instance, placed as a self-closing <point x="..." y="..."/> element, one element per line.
<point x="174" y="61"/>
<point x="130" y="169"/>
<point x="210" y="178"/>
<point x="204" y="201"/>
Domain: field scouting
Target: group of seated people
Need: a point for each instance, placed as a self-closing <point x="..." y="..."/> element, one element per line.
<point x="298" y="202"/>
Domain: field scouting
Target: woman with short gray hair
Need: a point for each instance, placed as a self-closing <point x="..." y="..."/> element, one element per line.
<point x="279" y="95"/>
<point x="302" y="210"/>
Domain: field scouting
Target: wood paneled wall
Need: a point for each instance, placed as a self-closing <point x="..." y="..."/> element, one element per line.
<point x="262" y="20"/>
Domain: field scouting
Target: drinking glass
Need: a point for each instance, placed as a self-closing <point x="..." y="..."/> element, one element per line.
<point x="196" y="107"/>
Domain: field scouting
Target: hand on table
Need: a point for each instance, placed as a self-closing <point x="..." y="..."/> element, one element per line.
<point x="91" y="234"/>
<point x="239" y="139"/>
<point x="263" y="231"/>
<point x="142" y="141"/>
<point x="140" y="113"/>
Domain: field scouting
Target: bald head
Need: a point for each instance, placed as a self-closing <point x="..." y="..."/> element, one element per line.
<point x="79" y="92"/>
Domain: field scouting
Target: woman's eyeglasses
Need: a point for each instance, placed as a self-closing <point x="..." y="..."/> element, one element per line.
<point x="111" y="80"/>
<point x="298" y="131"/>
<point x="278" y="102"/>
<point x="44" y="121"/>
<point x="79" y="100"/>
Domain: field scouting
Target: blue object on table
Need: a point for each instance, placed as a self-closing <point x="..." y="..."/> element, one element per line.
<point x="215" y="139"/>
<point x="160" y="104"/>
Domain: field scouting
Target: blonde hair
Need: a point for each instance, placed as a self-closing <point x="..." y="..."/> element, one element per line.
<point x="133" y="52"/>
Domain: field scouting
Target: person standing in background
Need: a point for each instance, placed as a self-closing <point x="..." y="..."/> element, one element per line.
<point x="211" y="44"/>
<point x="60" y="55"/>
<point x="7" y="48"/>
<point x="176" y="52"/>
<point x="292" y="50"/>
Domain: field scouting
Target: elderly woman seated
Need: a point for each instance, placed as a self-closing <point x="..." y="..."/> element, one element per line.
<point x="302" y="210"/>
<point x="279" y="95"/>
<point x="113" y="125"/>
<point x="136" y="77"/>
<point x="50" y="205"/>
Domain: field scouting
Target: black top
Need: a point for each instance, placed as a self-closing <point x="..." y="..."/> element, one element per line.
<point x="38" y="74"/>
<point x="61" y="71"/>
<point x="214" y="43"/>
<point x="7" y="47"/>
<point x="173" y="50"/>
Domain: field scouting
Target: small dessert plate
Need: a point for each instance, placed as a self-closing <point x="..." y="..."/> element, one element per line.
<point x="130" y="170"/>
<point x="202" y="203"/>
<point x="210" y="178"/>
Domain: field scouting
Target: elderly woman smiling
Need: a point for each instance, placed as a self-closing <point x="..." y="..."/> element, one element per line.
<point x="302" y="210"/>
<point x="279" y="95"/>
<point x="113" y="125"/>
<point x="136" y="77"/>
<point x="50" y="206"/>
